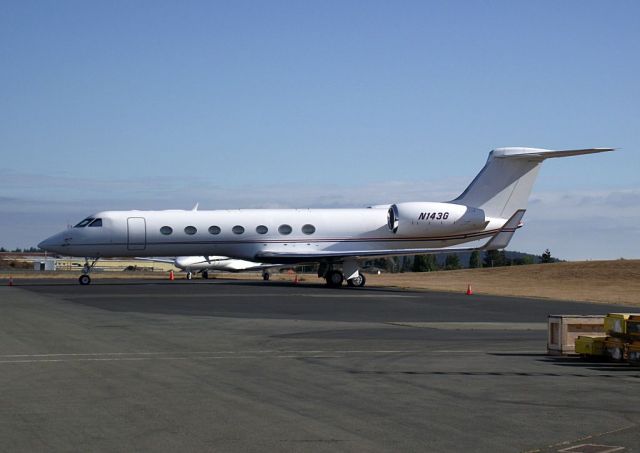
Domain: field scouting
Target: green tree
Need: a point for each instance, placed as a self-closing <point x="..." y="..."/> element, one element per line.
<point x="432" y="263"/>
<point x="546" y="257"/>
<point x="452" y="262"/>
<point x="526" y="259"/>
<point x="495" y="258"/>
<point x="407" y="265"/>
<point x="474" y="259"/>
<point x="424" y="263"/>
<point x="392" y="265"/>
<point x="419" y="263"/>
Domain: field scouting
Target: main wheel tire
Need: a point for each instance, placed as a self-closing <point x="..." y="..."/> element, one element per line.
<point x="205" y="275"/>
<point x="84" y="279"/>
<point x="266" y="276"/>
<point x="358" y="281"/>
<point x="616" y="354"/>
<point x="334" y="279"/>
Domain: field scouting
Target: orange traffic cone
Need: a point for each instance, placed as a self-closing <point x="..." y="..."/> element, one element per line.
<point x="469" y="292"/>
<point x="171" y="277"/>
<point x="10" y="280"/>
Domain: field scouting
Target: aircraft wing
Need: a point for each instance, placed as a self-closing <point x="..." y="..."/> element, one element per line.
<point x="288" y="257"/>
<point x="497" y="241"/>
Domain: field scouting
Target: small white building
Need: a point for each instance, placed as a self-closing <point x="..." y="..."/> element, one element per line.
<point x="47" y="264"/>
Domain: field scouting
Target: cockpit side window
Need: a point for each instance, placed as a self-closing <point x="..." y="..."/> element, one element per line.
<point x="84" y="223"/>
<point x="96" y="223"/>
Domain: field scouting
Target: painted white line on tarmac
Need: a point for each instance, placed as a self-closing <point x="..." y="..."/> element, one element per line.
<point x="222" y="355"/>
<point x="474" y="325"/>
<point x="231" y="295"/>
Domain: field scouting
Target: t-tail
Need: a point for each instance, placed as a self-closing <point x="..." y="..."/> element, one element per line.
<point x="504" y="184"/>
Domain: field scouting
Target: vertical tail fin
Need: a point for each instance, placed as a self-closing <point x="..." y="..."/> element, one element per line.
<point x="504" y="184"/>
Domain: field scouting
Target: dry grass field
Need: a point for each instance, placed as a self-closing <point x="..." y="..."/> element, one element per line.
<point x="613" y="282"/>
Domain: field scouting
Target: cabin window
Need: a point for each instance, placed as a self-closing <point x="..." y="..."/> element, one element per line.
<point x="284" y="229"/>
<point x="237" y="229"/>
<point x="166" y="230"/>
<point x="214" y="229"/>
<point x="96" y="223"/>
<point x="261" y="229"/>
<point x="84" y="223"/>
<point x="308" y="229"/>
<point x="190" y="230"/>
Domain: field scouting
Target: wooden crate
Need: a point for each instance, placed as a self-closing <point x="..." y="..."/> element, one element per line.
<point x="563" y="330"/>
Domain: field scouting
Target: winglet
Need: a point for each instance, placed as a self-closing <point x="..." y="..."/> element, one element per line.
<point x="195" y="208"/>
<point x="501" y="240"/>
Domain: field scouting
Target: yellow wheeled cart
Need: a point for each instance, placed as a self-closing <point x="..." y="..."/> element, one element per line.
<point x="615" y="348"/>
<point x="633" y="352"/>
<point x="588" y="346"/>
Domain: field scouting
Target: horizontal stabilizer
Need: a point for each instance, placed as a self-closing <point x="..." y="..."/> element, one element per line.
<point x="501" y="240"/>
<point x="539" y="153"/>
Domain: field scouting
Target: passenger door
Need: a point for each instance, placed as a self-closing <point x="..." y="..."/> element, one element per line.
<point x="136" y="233"/>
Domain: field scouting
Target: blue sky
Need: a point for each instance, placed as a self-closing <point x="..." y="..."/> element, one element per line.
<point x="121" y="105"/>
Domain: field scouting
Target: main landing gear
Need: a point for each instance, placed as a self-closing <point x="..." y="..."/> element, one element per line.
<point x="336" y="277"/>
<point x="266" y="276"/>
<point x="84" y="279"/>
<point x="205" y="275"/>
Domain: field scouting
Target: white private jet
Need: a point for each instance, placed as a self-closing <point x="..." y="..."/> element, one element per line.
<point x="204" y="264"/>
<point x="491" y="208"/>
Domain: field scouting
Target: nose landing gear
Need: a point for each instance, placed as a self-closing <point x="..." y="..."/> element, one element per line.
<point x="84" y="279"/>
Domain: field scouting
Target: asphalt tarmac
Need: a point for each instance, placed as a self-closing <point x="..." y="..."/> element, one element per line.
<point x="250" y="366"/>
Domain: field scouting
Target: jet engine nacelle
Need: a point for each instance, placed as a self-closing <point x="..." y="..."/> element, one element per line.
<point x="419" y="219"/>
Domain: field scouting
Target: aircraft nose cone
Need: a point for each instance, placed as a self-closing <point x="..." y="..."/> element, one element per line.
<point x="53" y="243"/>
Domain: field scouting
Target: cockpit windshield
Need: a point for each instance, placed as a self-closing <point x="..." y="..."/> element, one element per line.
<point x="85" y="222"/>
<point x="96" y="223"/>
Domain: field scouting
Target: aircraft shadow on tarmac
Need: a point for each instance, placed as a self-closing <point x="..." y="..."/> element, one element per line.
<point x="488" y="373"/>
<point x="210" y="282"/>
<point x="593" y="364"/>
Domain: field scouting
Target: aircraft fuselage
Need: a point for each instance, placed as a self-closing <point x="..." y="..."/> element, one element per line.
<point x="246" y="233"/>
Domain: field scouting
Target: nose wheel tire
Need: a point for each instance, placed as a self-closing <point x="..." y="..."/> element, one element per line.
<point x="358" y="281"/>
<point x="189" y="275"/>
<point x="334" y="279"/>
<point x="84" y="279"/>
